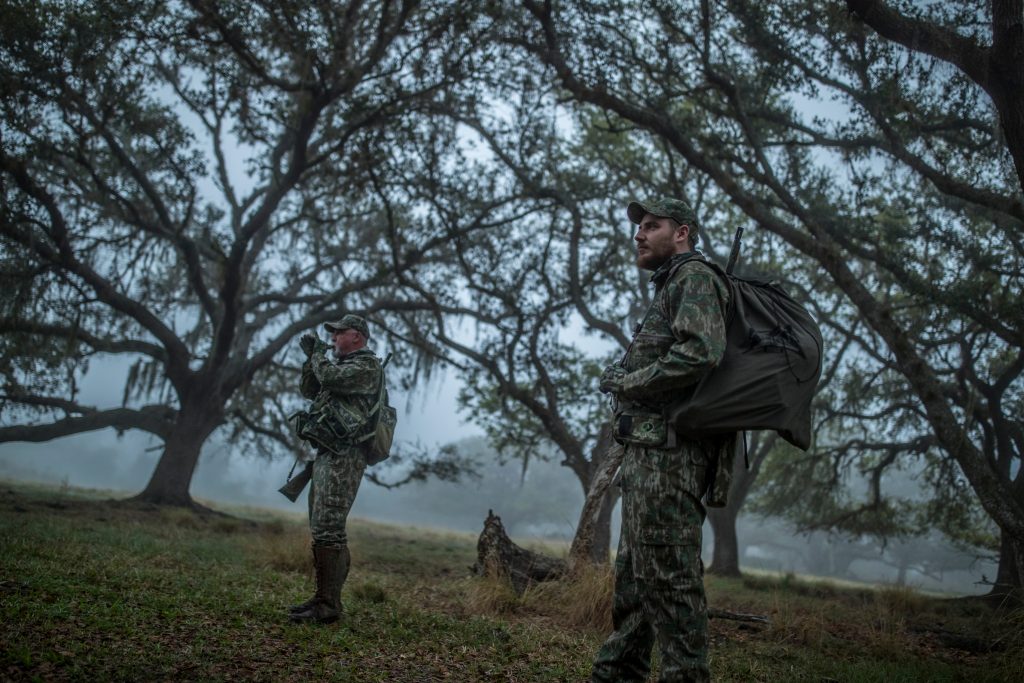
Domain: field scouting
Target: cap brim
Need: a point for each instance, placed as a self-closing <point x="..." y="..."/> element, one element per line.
<point x="333" y="328"/>
<point x="636" y="212"/>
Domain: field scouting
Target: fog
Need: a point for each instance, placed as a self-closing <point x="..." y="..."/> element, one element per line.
<point x="542" y="503"/>
<point x="124" y="463"/>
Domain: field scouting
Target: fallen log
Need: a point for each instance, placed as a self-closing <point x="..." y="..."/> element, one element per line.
<point x="496" y="553"/>
<point x="961" y="641"/>
<point x="714" y="613"/>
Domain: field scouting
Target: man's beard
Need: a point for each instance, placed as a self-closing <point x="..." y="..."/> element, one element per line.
<point x="650" y="260"/>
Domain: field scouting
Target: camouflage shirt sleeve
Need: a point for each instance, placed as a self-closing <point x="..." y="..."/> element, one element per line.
<point x="355" y="374"/>
<point x="309" y="385"/>
<point x="696" y="301"/>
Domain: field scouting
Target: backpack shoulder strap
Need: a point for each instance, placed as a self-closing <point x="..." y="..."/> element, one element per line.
<point x="375" y="410"/>
<point x="380" y="391"/>
<point x="714" y="267"/>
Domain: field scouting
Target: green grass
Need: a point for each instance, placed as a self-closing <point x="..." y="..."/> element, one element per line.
<point x="94" y="589"/>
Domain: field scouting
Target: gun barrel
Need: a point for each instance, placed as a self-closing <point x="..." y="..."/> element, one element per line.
<point x="734" y="253"/>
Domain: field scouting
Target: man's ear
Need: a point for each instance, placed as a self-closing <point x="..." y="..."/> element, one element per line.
<point x="683" y="233"/>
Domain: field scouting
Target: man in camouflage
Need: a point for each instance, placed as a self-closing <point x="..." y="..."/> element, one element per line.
<point x="344" y="393"/>
<point x="659" y="585"/>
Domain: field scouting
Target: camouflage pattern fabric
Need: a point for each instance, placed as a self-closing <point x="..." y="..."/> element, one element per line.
<point x="666" y="207"/>
<point x="349" y="388"/>
<point x="349" y="322"/>
<point x="683" y="333"/>
<point x="659" y="576"/>
<point x="353" y="381"/>
<point x="333" y="489"/>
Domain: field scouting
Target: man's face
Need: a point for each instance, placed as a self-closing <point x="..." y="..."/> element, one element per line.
<point x="346" y="341"/>
<point x="659" y="239"/>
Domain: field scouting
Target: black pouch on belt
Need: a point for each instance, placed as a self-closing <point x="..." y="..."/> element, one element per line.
<point x="643" y="428"/>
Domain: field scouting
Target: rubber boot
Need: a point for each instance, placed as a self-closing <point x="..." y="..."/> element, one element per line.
<point x="331" y="571"/>
<point x="303" y="606"/>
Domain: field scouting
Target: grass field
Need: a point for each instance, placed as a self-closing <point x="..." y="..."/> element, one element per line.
<point x="92" y="589"/>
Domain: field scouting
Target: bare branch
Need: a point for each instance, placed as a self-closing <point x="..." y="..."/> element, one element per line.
<point x="157" y="420"/>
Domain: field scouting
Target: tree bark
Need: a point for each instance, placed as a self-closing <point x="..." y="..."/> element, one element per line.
<point x="172" y="477"/>
<point x="600" y="549"/>
<point x="1008" y="576"/>
<point x="497" y="555"/>
<point x="598" y="504"/>
<point x="725" y="557"/>
<point x="1006" y="69"/>
<point x="152" y="419"/>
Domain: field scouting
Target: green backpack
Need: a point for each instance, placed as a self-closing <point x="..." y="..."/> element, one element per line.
<point x="384" y="419"/>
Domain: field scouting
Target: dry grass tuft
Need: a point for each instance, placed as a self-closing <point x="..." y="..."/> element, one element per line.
<point x="370" y="591"/>
<point x="901" y="600"/>
<point x="886" y="631"/>
<point x="581" y="602"/>
<point x="182" y="518"/>
<point x="492" y="594"/>
<point x="287" y="551"/>
<point x="1011" y="663"/>
<point x="796" y="625"/>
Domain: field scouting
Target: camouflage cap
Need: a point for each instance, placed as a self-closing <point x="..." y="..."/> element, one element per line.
<point x="349" y="322"/>
<point x="664" y="207"/>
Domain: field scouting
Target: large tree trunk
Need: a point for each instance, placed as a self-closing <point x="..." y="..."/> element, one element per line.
<point x="600" y="549"/>
<point x="172" y="477"/>
<point x="725" y="557"/>
<point x="1008" y="576"/>
<point x="901" y="576"/>
<point x="597" y="508"/>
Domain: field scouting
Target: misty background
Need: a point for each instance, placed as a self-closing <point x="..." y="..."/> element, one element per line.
<point x="477" y="220"/>
<point x="542" y="502"/>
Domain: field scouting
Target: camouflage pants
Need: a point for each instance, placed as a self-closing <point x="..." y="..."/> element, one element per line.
<point x="659" y="576"/>
<point x="333" y="489"/>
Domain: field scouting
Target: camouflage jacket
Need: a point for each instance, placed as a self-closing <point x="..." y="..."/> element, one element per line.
<point x="682" y="336"/>
<point x="348" y="388"/>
